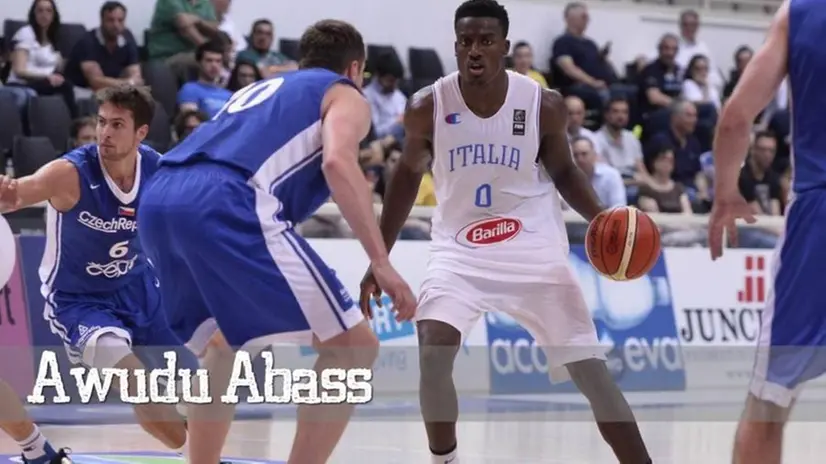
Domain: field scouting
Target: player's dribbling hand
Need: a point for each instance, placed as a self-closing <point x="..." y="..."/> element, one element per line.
<point x="724" y="213"/>
<point x="389" y="281"/>
<point x="9" y="199"/>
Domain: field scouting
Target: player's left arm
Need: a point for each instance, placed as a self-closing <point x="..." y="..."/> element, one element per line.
<point x="555" y="155"/>
<point x="755" y="90"/>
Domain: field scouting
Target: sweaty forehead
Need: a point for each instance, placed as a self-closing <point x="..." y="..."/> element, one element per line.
<point x="475" y="26"/>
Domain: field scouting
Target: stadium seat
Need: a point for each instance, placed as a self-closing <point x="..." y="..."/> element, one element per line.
<point x="49" y="117"/>
<point x="11" y="125"/>
<point x="375" y="51"/>
<point x="290" y="47"/>
<point x="160" y="130"/>
<point x="68" y="35"/>
<point x="87" y="107"/>
<point x="30" y="153"/>
<point x="10" y="27"/>
<point x="425" y="63"/>
<point x="163" y="83"/>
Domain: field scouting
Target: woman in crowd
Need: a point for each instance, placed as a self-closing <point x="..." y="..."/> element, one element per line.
<point x="523" y="63"/>
<point x="244" y="74"/>
<point x="661" y="194"/>
<point x="696" y="88"/>
<point x="36" y="63"/>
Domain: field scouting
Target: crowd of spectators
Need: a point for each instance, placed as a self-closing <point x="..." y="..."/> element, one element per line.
<point x="643" y="135"/>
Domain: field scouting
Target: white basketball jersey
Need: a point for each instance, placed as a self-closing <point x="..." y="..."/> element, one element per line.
<point x="498" y="212"/>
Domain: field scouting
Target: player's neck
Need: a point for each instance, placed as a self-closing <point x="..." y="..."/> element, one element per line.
<point x="486" y="100"/>
<point x="122" y="171"/>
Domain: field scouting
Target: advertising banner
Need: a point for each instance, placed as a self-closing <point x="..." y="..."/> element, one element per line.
<point x="635" y="323"/>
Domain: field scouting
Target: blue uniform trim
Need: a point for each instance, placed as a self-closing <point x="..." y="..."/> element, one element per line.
<point x="325" y="290"/>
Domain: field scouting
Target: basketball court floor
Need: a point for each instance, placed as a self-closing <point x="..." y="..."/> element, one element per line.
<point x="494" y="430"/>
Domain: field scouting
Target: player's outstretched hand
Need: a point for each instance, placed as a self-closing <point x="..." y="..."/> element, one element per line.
<point x="389" y="281"/>
<point x="369" y="290"/>
<point x="724" y="214"/>
<point x="9" y="199"/>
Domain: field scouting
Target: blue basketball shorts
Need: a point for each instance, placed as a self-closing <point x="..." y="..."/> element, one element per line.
<point x="133" y="313"/>
<point x="225" y="262"/>
<point x="792" y="343"/>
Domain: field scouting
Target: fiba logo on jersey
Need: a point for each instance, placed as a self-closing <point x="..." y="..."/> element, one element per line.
<point x="634" y="321"/>
<point x="110" y="226"/>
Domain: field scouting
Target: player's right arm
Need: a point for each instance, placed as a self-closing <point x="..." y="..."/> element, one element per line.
<point x="403" y="185"/>
<point x="57" y="182"/>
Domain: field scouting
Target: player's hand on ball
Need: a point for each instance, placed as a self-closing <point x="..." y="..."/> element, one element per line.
<point x="369" y="290"/>
<point x="389" y="281"/>
<point x="724" y="213"/>
<point x="9" y="199"/>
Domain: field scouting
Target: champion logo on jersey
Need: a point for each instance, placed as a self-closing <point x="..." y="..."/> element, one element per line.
<point x="453" y="118"/>
<point x="124" y="211"/>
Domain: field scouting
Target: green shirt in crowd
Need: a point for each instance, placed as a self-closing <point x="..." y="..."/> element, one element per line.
<point x="164" y="39"/>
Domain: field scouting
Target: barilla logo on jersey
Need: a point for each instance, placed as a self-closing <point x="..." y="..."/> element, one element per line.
<point x="452" y="118"/>
<point x="489" y="232"/>
<point x="111" y="226"/>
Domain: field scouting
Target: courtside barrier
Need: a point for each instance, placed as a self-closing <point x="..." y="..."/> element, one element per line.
<point x="690" y="324"/>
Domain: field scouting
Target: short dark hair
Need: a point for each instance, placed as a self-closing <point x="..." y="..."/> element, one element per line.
<point x="111" y="6"/>
<point x="521" y="44"/>
<point x="260" y="22"/>
<point x="764" y="134"/>
<point x="79" y="124"/>
<point x="213" y="46"/>
<point x="572" y="6"/>
<point x="483" y="9"/>
<point x="331" y="44"/>
<point x="616" y="99"/>
<point x="136" y="99"/>
<point x="180" y="120"/>
<point x="388" y="64"/>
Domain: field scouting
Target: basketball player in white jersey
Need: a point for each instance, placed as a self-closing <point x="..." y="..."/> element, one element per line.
<point x="501" y="154"/>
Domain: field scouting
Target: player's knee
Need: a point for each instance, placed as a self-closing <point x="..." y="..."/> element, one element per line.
<point x="107" y="350"/>
<point x="592" y="378"/>
<point x="359" y="346"/>
<point x="438" y="345"/>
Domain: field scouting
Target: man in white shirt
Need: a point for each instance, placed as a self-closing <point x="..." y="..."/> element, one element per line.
<point x="606" y="181"/>
<point x="227" y="25"/>
<point x="387" y="102"/>
<point x="691" y="46"/>
<point x="617" y="146"/>
<point x="576" y="118"/>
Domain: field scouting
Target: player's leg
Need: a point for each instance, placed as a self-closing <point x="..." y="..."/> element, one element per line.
<point x="792" y="337"/>
<point x="445" y="315"/>
<point x="15" y="421"/>
<point x="557" y="317"/>
<point x="97" y="337"/>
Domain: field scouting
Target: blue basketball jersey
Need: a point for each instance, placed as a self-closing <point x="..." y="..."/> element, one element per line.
<point x="94" y="247"/>
<point x="270" y="132"/>
<point x="807" y="69"/>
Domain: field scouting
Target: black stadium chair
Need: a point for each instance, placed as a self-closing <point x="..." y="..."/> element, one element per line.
<point x="68" y="35"/>
<point x="87" y="107"/>
<point x="10" y="27"/>
<point x="291" y="48"/>
<point x="160" y="130"/>
<point x="30" y="153"/>
<point x="425" y="63"/>
<point x="11" y="125"/>
<point x="163" y="83"/>
<point x="49" y="117"/>
<point x="375" y="51"/>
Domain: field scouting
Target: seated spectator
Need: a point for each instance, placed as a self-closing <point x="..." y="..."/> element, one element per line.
<point x="242" y="75"/>
<point x="178" y="27"/>
<point x="261" y="52"/>
<point x="523" y="63"/>
<point x="690" y="46"/>
<point x="186" y="122"/>
<point x="105" y="56"/>
<point x="36" y="63"/>
<point x="617" y="145"/>
<point x="20" y="95"/>
<point x="663" y="194"/>
<point x="696" y="87"/>
<point x="84" y="132"/>
<point x="741" y="58"/>
<point x="759" y="185"/>
<point x="387" y="102"/>
<point x="576" y="118"/>
<point x="679" y="137"/>
<point x="606" y="181"/>
<point x="205" y="94"/>
<point x="228" y="27"/>
<point x="582" y="67"/>
<point x="660" y="84"/>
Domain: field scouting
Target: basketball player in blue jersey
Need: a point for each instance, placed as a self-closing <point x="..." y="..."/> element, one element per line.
<point x="793" y="335"/>
<point x="218" y="223"/>
<point x="101" y="295"/>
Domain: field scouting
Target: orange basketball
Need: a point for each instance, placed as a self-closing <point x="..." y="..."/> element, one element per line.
<point x="623" y="243"/>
